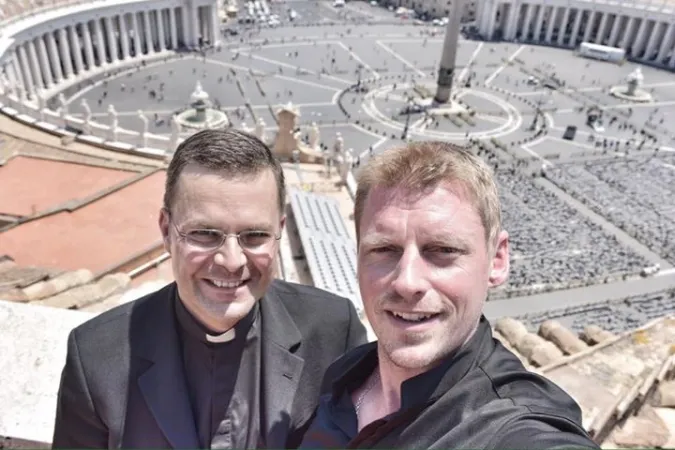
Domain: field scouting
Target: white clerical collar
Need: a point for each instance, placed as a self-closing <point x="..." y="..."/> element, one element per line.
<point x="227" y="336"/>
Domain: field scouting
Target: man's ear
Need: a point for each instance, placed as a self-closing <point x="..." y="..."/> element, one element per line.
<point x="500" y="261"/>
<point x="164" y="228"/>
<point x="282" y="223"/>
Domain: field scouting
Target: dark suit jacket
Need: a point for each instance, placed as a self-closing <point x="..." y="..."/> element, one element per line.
<point x="123" y="384"/>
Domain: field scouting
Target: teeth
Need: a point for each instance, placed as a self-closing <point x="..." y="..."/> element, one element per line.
<point x="412" y="317"/>
<point x="227" y="284"/>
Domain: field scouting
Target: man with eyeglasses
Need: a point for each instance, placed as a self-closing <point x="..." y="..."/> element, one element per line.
<point x="225" y="357"/>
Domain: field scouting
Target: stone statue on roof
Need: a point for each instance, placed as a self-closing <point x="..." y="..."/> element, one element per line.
<point x="339" y="146"/>
<point x="175" y="134"/>
<point x="42" y="104"/>
<point x="114" y="125"/>
<point x="347" y="161"/>
<point x="314" y="136"/>
<point x="260" y="129"/>
<point x="63" y="106"/>
<point x="87" y="116"/>
<point x="144" y="129"/>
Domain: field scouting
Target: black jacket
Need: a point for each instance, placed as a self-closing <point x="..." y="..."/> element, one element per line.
<point x="123" y="384"/>
<point x="479" y="397"/>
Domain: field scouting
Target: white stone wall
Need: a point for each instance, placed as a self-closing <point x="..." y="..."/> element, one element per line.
<point x="645" y="32"/>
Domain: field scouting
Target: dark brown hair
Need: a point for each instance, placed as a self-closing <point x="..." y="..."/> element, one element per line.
<point x="231" y="152"/>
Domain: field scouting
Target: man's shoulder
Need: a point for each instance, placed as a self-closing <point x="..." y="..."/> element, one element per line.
<point x="526" y="390"/>
<point x="119" y="319"/>
<point x="347" y="361"/>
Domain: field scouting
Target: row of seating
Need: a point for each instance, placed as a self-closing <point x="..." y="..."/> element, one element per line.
<point x="329" y="250"/>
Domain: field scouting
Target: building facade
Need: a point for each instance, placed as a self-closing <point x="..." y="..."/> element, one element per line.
<point x="436" y="8"/>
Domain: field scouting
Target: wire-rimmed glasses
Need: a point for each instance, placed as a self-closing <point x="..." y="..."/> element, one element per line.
<point x="252" y="241"/>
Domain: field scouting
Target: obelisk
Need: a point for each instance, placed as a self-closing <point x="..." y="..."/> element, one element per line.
<point x="449" y="55"/>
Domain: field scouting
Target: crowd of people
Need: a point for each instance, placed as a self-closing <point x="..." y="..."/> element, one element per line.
<point x="634" y="194"/>
<point x="555" y="244"/>
<point x="616" y="315"/>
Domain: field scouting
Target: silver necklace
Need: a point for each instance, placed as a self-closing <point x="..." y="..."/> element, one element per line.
<point x="369" y="387"/>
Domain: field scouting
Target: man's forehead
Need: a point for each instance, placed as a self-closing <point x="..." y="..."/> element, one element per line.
<point x="194" y="171"/>
<point x="407" y="197"/>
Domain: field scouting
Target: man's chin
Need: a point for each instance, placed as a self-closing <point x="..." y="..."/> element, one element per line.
<point x="413" y="357"/>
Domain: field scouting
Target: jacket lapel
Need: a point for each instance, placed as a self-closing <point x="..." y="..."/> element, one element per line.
<point x="281" y="368"/>
<point x="163" y="383"/>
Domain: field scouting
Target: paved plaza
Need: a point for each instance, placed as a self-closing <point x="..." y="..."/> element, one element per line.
<point x="596" y="209"/>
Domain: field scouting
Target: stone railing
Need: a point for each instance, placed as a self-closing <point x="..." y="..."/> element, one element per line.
<point x="80" y="127"/>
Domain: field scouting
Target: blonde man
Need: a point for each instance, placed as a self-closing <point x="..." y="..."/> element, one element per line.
<point x="430" y="245"/>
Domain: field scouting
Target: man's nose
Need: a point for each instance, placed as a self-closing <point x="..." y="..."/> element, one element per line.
<point x="230" y="255"/>
<point x="411" y="275"/>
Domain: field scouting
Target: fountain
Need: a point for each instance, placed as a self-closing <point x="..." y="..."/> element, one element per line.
<point x="631" y="90"/>
<point x="201" y="115"/>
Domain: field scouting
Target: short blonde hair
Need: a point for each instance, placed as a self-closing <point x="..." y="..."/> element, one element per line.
<point x="423" y="165"/>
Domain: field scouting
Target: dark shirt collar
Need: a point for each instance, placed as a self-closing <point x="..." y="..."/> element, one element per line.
<point x="195" y="329"/>
<point x="425" y="387"/>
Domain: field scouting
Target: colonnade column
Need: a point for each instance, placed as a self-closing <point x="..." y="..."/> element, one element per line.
<point x="26" y="70"/>
<point x="173" y="29"/>
<point x="160" y="29"/>
<point x="88" y="46"/>
<point x="124" y="36"/>
<point x="527" y="23"/>
<point x="666" y="43"/>
<point x="563" y="26"/>
<point x="614" y="34"/>
<point x="138" y="49"/>
<point x="492" y="20"/>
<point x="54" y="57"/>
<point x="44" y="59"/>
<point x="625" y="42"/>
<point x="17" y="69"/>
<point x="602" y="28"/>
<point x="100" y="43"/>
<point x="512" y="25"/>
<point x="215" y="21"/>
<point x="485" y="7"/>
<point x="35" y="65"/>
<point x="551" y="23"/>
<point x="589" y="26"/>
<point x="639" y="42"/>
<point x="539" y="24"/>
<point x="653" y="37"/>
<point x="196" y="32"/>
<point x="112" y="40"/>
<point x="148" y="33"/>
<point x="65" y="53"/>
<point x="76" y="48"/>
<point x="575" y="29"/>
<point x="10" y="68"/>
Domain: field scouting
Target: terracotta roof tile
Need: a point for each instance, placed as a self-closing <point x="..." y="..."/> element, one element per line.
<point x="37" y="184"/>
<point x="96" y="236"/>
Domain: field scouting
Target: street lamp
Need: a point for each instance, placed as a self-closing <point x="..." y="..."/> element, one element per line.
<point x="404" y="136"/>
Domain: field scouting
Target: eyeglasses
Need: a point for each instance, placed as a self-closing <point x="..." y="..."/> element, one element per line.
<point x="253" y="241"/>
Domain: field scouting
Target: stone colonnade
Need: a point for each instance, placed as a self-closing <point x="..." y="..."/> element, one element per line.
<point x="44" y="61"/>
<point x="646" y="37"/>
